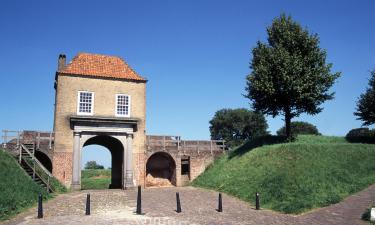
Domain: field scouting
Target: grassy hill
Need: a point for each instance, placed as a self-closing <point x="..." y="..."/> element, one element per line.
<point x="96" y="178"/>
<point x="312" y="172"/>
<point x="17" y="190"/>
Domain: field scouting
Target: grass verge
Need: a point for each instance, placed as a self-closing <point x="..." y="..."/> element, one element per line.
<point x="314" y="171"/>
<point x="96" y="178"/>
<point x="17" y="190"/>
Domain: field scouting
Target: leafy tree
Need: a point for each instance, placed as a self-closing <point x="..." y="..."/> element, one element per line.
<point x="93" y="165"/>
<point x="366" y="103"/>
<point x="299" y="127"/>
<point x="237" y="125"/>
<point x="289" y="74"/>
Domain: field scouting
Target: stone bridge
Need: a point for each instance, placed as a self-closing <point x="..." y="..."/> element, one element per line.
<point x="167" y="160"/>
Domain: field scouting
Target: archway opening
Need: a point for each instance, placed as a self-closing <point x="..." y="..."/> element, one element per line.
<point x="44" y="159"/>
<point x="110" y="151"/>
<point x="160" y="170"/>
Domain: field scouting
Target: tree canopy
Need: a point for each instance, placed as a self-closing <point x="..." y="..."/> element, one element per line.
<point x="299" y="127"/>
<point x="289" y="74"/>
<point x="237" y="125"/>
<point x="93" y="165"/>
<point x="366" y="103"/>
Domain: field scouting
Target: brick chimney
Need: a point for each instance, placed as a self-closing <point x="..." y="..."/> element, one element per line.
<point x="61" y="62"/>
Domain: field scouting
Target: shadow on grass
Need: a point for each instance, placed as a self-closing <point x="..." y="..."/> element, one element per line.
<point x="257" y="142"/>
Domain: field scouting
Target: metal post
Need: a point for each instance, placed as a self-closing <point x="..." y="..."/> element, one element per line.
<point x="178" y="210"/>
<point x="88" y="211"/>
<point x="40" y="206"/>
<point x="139" y="201"/>
<point x="220" y="206"/>
<point x="257" y="205"/>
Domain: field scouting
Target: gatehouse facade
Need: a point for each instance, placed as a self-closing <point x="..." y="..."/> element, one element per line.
<point x="100" y="100"/>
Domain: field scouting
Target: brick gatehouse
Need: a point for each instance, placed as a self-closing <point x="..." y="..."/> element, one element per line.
<point x="100" y="100"/>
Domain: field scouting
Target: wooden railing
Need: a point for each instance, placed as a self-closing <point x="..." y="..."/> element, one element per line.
<point x="174" y="143"/>
<point x="37" y="167"/>
<point x="36" y="137"/>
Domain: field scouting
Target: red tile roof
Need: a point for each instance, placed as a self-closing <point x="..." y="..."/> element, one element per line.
<point x="100" y="66"/>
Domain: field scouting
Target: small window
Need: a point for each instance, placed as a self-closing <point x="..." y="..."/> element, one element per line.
<point x="185" y="166"/>
<point x="122" y="105"/>
<point x="85" y="103"/>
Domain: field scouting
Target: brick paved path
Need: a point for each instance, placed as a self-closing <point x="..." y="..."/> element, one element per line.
<point x="198" y="207"/>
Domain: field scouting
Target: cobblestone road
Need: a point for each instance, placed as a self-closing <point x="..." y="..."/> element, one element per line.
<point x="198" y="207"/>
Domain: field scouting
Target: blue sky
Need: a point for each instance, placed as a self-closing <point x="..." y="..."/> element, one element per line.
<point x="195" y="54"/>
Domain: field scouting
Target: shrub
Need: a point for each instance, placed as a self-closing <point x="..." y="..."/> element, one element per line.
<point x="361" y="135"/>
<point x="299" y="127"/>
<point x="93" y="165"/>
<point x="235" y="126"/>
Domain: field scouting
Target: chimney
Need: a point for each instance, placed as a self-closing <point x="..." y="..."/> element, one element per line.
<point x="61" y="62"/>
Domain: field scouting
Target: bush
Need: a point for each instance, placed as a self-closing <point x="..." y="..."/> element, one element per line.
<point x="361" y="135"/>
<point x="299" y="127"/>
<point x="236" y="126"/>
<point x="93" y="165"/>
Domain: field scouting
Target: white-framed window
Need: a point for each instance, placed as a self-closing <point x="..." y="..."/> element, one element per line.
<point x="85" y="103"/>
<point x="122" y="105"/>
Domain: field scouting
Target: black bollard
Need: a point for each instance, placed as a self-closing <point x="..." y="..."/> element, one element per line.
<point x="220" y="206"/>
<point x="40" y="206"/>
<point x="139" y="201"/>
<point x="178" y="210"/>
<point x="257" y="205"/>
<point x="88" y="211"/>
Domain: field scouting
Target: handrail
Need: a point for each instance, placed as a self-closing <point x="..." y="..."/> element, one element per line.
<point x="36" y="160"/>
<point x="47" y="183"/>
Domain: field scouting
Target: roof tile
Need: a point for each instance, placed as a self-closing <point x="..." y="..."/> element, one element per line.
<point x="100" y="66"/>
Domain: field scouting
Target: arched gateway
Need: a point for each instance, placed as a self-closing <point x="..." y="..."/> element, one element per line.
<point x="100" y="100"/>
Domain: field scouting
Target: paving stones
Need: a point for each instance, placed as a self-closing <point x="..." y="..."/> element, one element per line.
<point x="199" y="207"/>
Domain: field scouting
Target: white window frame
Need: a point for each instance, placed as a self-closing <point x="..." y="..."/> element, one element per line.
<point x="129" y="105"/>
<point x="92" y="103"/>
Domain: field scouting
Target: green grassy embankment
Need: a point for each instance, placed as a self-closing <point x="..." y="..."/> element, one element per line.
<point x="312" y="172"/>
<point x="96" y="178"/>
<point x="17" y="190"/>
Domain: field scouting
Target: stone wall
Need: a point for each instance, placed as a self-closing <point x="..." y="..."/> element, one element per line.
<point x="198" y="163"/>
<point x="105" y="91"/>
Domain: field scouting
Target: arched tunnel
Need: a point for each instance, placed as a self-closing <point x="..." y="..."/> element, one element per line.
<point x="117" y="155"/>
<point x="44" y="159"/>
<point x="160" y="170"/>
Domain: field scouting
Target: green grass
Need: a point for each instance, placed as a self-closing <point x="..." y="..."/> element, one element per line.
<point x="312" y="172"/>
<point x="96" y="179"/>
<point x="17" y="190"/>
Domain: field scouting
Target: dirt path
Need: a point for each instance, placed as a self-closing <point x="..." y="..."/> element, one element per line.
<point x="198" y="207"/>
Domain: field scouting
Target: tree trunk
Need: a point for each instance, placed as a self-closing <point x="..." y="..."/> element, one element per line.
<point x="288" y="119"/>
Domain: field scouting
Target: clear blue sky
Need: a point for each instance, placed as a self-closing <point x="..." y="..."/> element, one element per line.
<point x="195" y="54"/>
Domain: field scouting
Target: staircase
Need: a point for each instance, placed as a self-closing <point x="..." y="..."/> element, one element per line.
<point x="22" y="145"/>
<point x="34" y="168"/>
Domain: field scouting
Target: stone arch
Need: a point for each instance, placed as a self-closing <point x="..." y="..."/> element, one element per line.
<point x="116" y="149"/>
<point x="44" y="159"/>
<point x="160" y="170"/>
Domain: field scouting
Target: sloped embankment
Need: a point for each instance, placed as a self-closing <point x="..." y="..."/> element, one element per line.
<point x="312" y="172"/>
